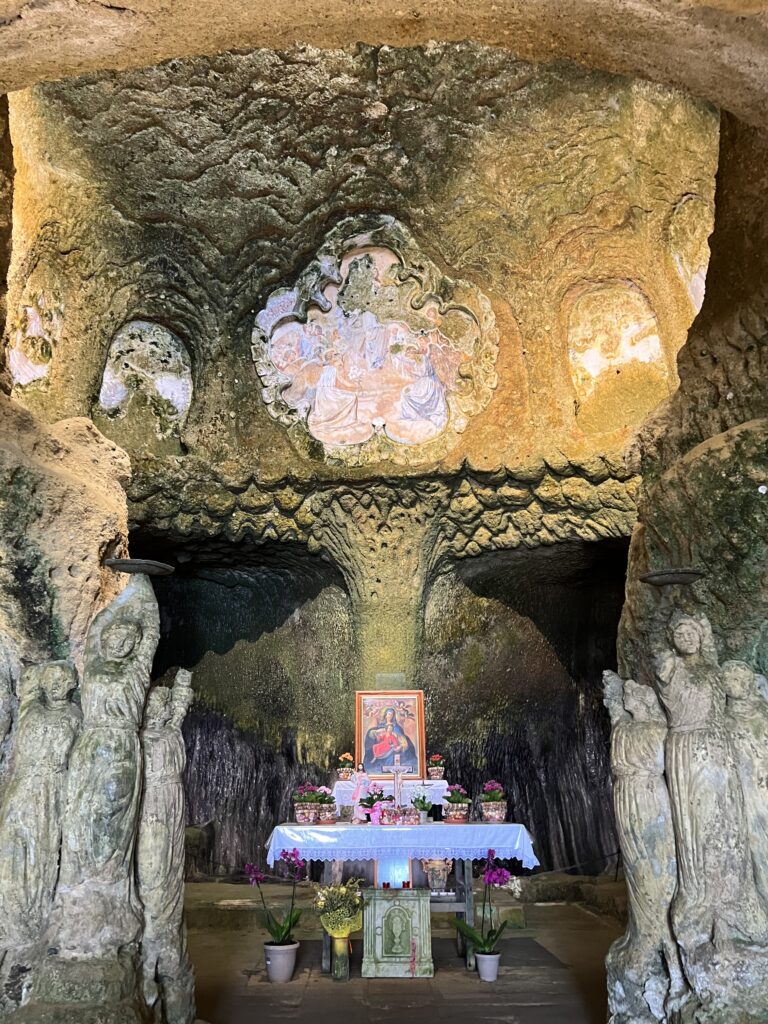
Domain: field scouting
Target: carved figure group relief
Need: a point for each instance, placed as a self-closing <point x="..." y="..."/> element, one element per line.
<point x="104" y="780"/>
<point x="374" y="353"/>
<point x="691" y="797"/>
<point x="75" y="832"/>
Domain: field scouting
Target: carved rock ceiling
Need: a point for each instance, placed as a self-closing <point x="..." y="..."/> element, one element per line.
<point x="717" y="50"/>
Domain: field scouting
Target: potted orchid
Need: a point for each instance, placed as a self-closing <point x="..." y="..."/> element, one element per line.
<point x="493" y="803"/>
<point x="436" y="766"/>
<point x="423" y="804"/>
<point x="456" y="805"/>
<point x="306" y="805"/>
<point x="345" y="766"/>
<point x="485" y="941"/>
<point x="326" y="805"/>
<point x="280" y="953"/>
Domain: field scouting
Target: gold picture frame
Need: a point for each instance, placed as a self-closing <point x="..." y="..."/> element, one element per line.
<point x="388" y="723"/>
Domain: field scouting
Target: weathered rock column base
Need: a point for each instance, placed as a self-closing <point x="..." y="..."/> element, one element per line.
<point x="86" y="991"/>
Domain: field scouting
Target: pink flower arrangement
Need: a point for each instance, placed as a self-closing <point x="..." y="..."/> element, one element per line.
<point x="457" y="795"/>
<point x="436" y="760"/>
<point x="306" y="794"/>
<point x="493" y="792"/>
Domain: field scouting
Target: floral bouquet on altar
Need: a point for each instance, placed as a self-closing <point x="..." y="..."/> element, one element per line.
<point x="326" y="805"/>
<point x="493" y="802"/>
<point x="436" y="766"/>
<point x="375" y="796"/>
<point x="456" y="805"/>
<point x="306" y="804"/>
<point x="345" y="766"/>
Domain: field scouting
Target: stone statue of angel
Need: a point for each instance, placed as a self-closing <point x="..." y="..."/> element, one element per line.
<point x="167" y="975"/>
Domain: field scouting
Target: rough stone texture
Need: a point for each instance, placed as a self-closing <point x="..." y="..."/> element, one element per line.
<point x="62" y="510"/>
<point x="167" y="977"/>
<point x="705" y="481"/>
<point x="530" y="182"/>
<point x="715" y="49"/>
<point x="6" y="204"/>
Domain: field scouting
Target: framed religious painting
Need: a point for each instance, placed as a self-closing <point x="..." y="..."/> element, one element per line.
<point x="389" y="730"/>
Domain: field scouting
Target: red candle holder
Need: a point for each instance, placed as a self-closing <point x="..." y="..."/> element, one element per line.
<point x="406" y="885"/>
<point x="385" y="885"/>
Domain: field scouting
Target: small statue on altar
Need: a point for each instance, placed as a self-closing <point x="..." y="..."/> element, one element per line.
<point x="361" y="782"/>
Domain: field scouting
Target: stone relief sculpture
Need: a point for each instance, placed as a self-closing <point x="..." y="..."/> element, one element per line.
<point x="168" y="979"/>
<point x="96" y="912"/>
<point x="31" y="814"/>
<point x="747" y="722"/>
<point x="716" y="902"/>
<point x="645" y="979"/>
<point x="374" y="352"/>
<point x="147" y="358"/>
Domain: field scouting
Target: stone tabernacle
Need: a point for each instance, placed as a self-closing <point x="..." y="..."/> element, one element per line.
<point x="424" y="365"/>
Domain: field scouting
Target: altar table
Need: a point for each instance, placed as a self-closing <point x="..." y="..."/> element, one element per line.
<point x="435" y="789"/>
<point x="394" y="846"/>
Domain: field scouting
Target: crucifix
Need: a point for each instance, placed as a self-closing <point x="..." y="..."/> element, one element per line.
<point x="397" y="770"/>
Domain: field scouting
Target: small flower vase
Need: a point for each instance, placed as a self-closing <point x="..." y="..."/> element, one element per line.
<point x="345" y="774"/>
<point x="456" y="814"/>
<point x="436" y="773"/>
<point x="326" y="814"/>
<point x="494" y="810"/>
<point x="302" y="814"/>
<point x="423" y="817"/>
<point x="340" y="932"/>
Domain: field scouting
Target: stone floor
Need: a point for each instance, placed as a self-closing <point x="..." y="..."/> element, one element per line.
<point x="552" y="972"/>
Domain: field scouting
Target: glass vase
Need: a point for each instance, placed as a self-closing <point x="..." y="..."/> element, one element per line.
<point x="340" y="959"/>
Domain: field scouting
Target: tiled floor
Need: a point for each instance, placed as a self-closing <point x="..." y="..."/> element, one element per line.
<point x="552" y="973"/>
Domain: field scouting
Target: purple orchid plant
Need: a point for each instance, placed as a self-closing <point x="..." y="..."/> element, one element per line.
<point x="494" y="876"/>
<point x="281" y="929"/>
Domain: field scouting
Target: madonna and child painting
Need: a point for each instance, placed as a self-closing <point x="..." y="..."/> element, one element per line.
<point x="390" y="730"/>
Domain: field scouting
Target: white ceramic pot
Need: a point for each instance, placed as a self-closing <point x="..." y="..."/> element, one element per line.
<point x="280" y="960"/>
<point x="488" y="965"/>
<point x="423" y="817"/>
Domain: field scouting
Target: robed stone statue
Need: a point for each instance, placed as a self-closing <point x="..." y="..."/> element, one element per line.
<point x="168" y="979"/>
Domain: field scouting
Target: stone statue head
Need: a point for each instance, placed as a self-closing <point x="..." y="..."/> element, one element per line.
<point x="686" y="635"/>
<point x="739" y="680"/>
<point x="57" y="679"/>
<point x="158" y="710"/>
<point x="642" y="703"/>
<point x="119" y="638"/>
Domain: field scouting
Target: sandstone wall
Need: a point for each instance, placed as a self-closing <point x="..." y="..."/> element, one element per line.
<point x="703" y="500"/>
<point x="6" y="203"/>
<point x="62" y="511"/>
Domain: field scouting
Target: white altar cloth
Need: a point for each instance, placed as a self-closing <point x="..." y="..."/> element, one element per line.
<point x="435" y="789"/>
<point x="381" y="842"/>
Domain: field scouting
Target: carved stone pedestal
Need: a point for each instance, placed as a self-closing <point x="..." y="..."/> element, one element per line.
<point x="397" y="934"/>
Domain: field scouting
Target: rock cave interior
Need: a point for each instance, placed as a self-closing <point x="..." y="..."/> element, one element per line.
<point x="410" y="345"/>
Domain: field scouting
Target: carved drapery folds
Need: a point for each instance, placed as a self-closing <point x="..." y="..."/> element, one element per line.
<point x="692" y="815"/>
